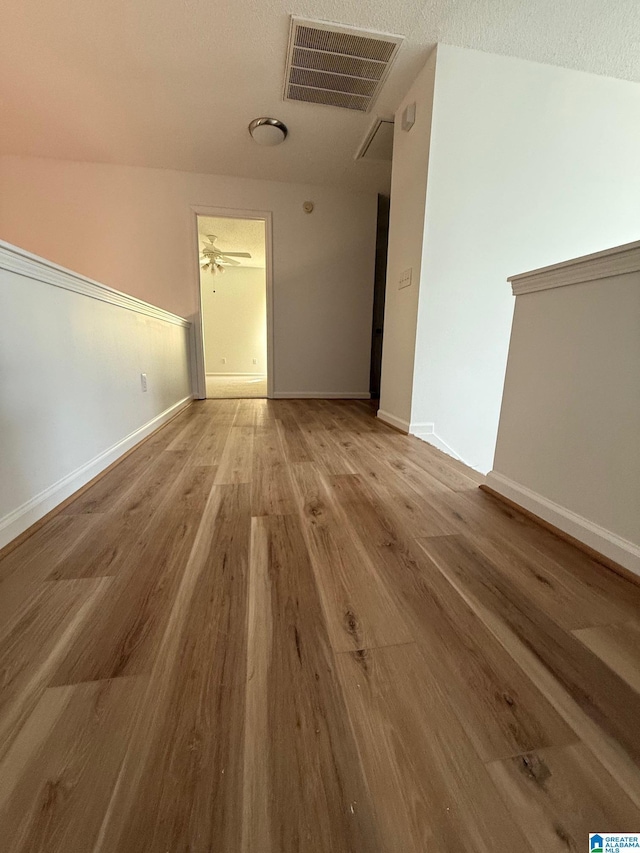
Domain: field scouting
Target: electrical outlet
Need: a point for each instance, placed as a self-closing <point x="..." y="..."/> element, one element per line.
<point x="255" y="360"/>
<point x="405" y="279"/>
<point x="143" y="381"/>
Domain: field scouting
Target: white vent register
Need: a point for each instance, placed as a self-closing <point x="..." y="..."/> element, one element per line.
<point x="337" y="66"/>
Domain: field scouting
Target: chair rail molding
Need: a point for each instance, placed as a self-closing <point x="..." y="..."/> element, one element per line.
<point x="14" y="259"/>
<point x="610" y="262"/>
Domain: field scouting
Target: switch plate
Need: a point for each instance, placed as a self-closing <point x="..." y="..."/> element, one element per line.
<point x="223" y="360"/>
<point x="143" y="381"/>
<point x="409" y="116"/>
<point x="405" y="279"/>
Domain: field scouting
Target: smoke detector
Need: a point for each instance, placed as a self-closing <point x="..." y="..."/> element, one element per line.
<point x="336" y="65"/>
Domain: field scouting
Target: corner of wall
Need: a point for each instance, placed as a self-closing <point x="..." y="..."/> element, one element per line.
<point x="406" y="234"/>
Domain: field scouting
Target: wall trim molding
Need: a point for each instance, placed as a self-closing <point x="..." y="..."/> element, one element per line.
<point x="236" y="374"/>
<point x="392" y="420"/>
<point x="420" y="429"/>
<point x="616" y="261"/>
<point x="33" y="510"/>
<point x="321" y="395"/>
<point x="16" y="260"/>
<point x="596" y="538"/>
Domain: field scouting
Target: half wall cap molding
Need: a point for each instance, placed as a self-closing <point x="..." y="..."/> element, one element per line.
<point x="611" y="262"/>
<point x="16" y="260"/>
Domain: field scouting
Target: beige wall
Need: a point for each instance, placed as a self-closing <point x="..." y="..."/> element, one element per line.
<point x="133" y="229"/>
<point x="234" y="309"/>
<point x="570" y="419"/>
<point x="406" y="231"/>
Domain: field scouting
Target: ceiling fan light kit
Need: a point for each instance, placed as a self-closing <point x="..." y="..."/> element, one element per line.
<point x="268" y="131"/>
<point x="214" y="259"/>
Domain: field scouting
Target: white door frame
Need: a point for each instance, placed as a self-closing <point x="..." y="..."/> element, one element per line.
<point x="200" y="389"/>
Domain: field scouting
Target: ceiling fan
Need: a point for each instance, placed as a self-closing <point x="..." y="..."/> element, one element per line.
<point x="212" y="258"/>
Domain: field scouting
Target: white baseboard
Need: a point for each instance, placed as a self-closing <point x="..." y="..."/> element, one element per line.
<point x="261" y="375"/>
<point x="17" y="521"/>
<point x="425" y="432"/>
<point x="321" y="395"/>
<point x="603" y="541"/>
<point x="392" y="420"/>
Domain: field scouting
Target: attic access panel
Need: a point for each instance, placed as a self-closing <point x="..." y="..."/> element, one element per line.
<point x="337" y="66"/>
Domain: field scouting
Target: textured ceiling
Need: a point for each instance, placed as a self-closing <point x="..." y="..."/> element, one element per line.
<point x="174" y="83"/>
<point x="237" y="235"/>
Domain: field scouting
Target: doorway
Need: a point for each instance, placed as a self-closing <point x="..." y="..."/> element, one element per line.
<point x="379" y="289"/>
<point x="234" y="273"/>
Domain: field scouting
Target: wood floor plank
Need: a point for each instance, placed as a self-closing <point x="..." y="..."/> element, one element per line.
<point x="499" y="707"/>
<point x="559" y="796"/>
<point x="501" y="710"/>
<point x="412" y="512"/>
<point x="23" y="570"/>
<point x="181" y="787"/>
<point x="245" y="414"/>
<point x="295" y="445"/>
<point x="298" y="630"/>
<point x="313" y="797"/>
<point x="600" y="692"/>
<point x="567" y="598"/>
<point x="431" y="790"/>
<point x="271" y="487"/>
<point x="237" y="457"/>
<point x="109" y="492"/>
<point x="58" y="777"/>
<point x="33" y="648"/>
<point x="123" y="637"/>
<point x="211" y="446"/>
<point x="327" y="453"/>
<point x="618" y="646"/>
<point x="106" y="547"/>
<point x="34" y="559"/>
<point x="360" y="610"/>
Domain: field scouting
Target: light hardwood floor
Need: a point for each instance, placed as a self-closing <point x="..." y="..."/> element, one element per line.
<point x="281" y="626"/>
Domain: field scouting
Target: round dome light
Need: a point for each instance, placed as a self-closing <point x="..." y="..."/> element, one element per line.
<point x="268" y="131"/>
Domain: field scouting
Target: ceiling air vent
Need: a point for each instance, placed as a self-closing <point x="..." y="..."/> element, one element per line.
<point x="337" y="66"/>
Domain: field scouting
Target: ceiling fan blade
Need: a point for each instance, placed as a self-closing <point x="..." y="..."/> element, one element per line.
<point x="238" y="254"/>
<point x="230" y="261"/>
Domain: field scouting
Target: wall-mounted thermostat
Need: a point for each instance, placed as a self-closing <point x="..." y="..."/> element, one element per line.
<point x="308" y="207"/>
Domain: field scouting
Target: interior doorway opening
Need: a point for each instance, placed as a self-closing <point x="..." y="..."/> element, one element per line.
<point x="233" y="291"/>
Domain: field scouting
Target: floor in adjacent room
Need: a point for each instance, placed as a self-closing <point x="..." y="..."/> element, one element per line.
<point x="229" y="386"/>
<point x="282" y="626"/>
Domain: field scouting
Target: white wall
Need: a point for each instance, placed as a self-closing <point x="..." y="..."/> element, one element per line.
<point x="529" y="164"/>
<point x="133" y="229"/>
<point x="70" y="392"/>
<point x="234" y="309"/>
<point x="570" y="422"/>
<point x="406" y="229"/>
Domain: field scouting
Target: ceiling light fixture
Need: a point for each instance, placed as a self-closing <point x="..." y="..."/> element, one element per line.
<point x="268" y="131"/>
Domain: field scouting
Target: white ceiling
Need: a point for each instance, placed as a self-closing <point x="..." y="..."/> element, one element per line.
<point x="174" y="83"/>
<point x="237" y="235"/>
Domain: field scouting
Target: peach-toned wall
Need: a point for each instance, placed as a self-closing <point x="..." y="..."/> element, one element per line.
<point x="132" y="229"/>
